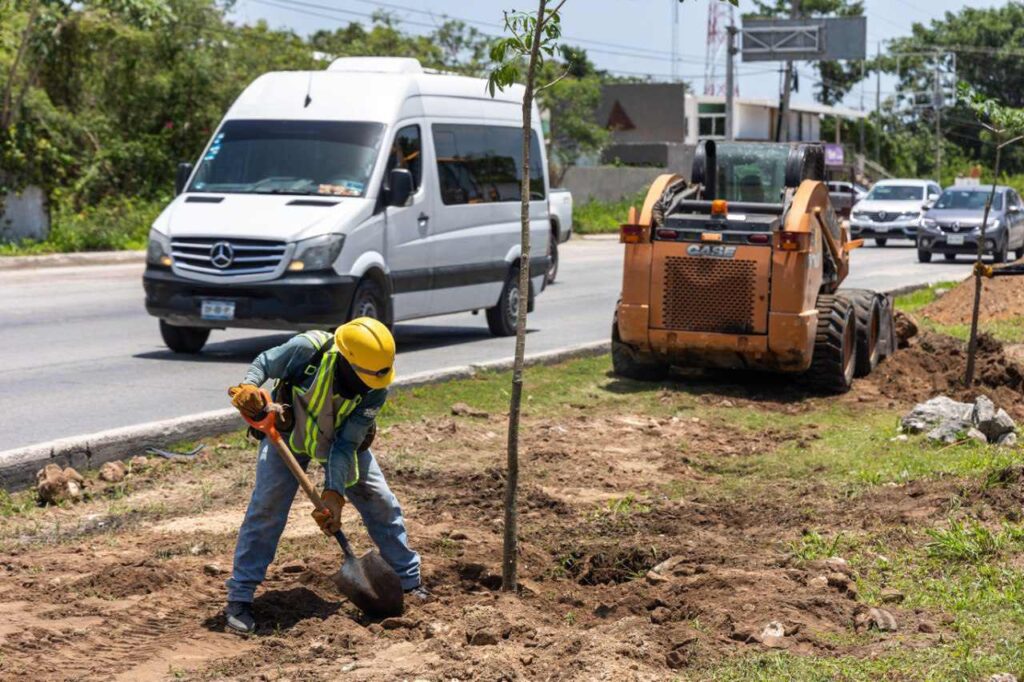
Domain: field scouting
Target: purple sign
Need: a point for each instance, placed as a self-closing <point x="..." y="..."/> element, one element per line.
<point x="834" y="155"/>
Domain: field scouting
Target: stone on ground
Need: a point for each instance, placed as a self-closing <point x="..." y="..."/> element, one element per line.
<point x="55" y="485"/>
<point x="112" y="472"/>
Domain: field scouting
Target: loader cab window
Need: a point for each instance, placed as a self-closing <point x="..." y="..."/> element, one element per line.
<point x="407" y="152"/>
<point x="751" y="173"/>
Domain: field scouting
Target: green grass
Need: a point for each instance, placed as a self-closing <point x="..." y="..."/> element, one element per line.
<point x="1007" y="331"/>
<point x="915" y="300"/>
<point x="597" y="217"/>
<point x="116" y="223"/>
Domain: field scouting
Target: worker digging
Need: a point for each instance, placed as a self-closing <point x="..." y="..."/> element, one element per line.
<point x="353" y="368"/>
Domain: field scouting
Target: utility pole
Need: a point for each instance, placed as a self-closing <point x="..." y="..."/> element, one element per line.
<point x="878" y="106"/>
<point x="730" y="83"/>
<point x="675" y="40"/>
<point x="937" y="105"/>
<point x="787" y="85"/>
<point x="863" y="73"/>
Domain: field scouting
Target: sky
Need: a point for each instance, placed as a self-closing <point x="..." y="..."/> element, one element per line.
<point x="630" y="37"/>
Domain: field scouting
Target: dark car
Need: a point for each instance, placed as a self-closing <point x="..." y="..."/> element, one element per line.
<point x="953" y="224"/>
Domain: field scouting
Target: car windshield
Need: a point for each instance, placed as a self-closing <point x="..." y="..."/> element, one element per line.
<point x="896" y="193"/>
<point x="968" y="199"/>
<point x="751" y="172"/>
<point x="290" y="157"/>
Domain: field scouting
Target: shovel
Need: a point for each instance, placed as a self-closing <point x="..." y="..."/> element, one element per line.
<point x="369" y="581"/>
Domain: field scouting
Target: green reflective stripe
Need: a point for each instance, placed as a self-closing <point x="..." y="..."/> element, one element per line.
<point x="355" y="466"/>
<point x="317" y="403"/>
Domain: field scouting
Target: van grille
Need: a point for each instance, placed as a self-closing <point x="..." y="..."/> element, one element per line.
<point x="226" y="257"/>
<point x="709" y="295"/>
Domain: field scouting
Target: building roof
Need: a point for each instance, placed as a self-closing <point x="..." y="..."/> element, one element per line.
<point x="803" y="107"/>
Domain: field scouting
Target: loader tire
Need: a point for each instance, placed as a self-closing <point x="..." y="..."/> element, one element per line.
<point x="835" y="346"/>
<point x="867" y="309"/>
<point x="630" y="363"/>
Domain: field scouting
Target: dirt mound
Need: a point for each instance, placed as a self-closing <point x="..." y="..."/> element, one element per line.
<point x="1002" y="298"/>
<point x="117" y="582"/>
<point x="934" y="364"/>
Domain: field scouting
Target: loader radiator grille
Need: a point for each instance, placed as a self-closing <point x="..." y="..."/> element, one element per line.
<point x="709" y="295"/>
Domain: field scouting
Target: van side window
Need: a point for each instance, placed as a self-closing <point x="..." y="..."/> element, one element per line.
<point x="407" y="152"/>
<point x="479" y="164"/>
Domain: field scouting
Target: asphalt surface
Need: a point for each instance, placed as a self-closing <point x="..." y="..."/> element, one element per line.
<point x="79" y="354"/>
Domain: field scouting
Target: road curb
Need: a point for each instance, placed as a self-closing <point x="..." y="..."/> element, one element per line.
<point x="18" y="467"/>
<point x="64" y="260"/>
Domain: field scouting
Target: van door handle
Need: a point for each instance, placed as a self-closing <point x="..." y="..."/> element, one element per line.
<point x="422" y="220"/>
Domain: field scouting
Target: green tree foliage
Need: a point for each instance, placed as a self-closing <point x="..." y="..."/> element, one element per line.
<point x="989" y="48"/>
<point x="835" y="78"/>
<point x="571" y="100"/>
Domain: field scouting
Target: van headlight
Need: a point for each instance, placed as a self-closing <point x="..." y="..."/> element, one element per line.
<point x="158" y="251"/>
<point x="929" y="224"/>
<point x="318" y="253"/>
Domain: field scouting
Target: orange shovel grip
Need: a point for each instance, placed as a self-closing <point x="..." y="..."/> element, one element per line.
<point x="268" y="422"/>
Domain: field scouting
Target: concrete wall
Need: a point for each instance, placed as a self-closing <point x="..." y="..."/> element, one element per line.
<point x="24" y="215"/>
<point x="608" y="183"/>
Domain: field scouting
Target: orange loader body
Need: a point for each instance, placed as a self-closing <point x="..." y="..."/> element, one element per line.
<point x="730" y="290"/>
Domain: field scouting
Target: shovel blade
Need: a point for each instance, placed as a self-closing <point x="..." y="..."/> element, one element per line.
<point x="371" y="584"/>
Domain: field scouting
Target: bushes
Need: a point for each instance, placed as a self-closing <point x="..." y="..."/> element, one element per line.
<point x="113" y="223"/>
<point x="596" y="217"/>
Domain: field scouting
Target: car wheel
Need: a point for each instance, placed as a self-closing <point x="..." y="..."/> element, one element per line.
<point x="924" y="256"/>
<point x="881" y="241"/>
<point x="369" y="301"/>
<point x="949" y="256"/>
<point x="1019" y="253"/>
<point x="553" y="255"/>
<point x="184" y="339"/>
<point x="1002" y="252"/>
<point x="501" y="319"/>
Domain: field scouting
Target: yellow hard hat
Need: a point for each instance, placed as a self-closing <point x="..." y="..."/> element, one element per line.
<point x="369" y="348"/>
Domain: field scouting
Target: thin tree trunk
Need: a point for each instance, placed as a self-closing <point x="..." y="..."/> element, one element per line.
<point x="972" y="344"/>
<point x="510" y="549"/>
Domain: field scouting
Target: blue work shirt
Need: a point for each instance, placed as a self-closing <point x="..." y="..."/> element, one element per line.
<point x="288" y="362"/>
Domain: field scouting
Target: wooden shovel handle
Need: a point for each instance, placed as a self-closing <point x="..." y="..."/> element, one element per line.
<point x="267" y="425"/>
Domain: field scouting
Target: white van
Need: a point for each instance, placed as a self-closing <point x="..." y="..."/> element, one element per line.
<point x="371" y="188"/>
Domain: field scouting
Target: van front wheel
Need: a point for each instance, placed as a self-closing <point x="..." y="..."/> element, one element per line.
<point x="501" y="319"/>
<point x="369" y="301"/>
<point x="184" y="339"/>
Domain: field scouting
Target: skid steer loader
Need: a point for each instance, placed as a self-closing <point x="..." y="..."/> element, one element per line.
<point x="740" y="269"/>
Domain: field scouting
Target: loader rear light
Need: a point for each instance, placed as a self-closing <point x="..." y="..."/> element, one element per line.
<point x="670" y="235"/>
<point x="631" y="234"/>
<point x="758" y="238"/>
<point x="719" y="207"/>
<point x="794" y="241"/>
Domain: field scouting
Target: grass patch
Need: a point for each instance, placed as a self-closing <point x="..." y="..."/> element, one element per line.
<point x="915" y="300"/>
<point x="597" y="217"/>
<point x="114" y="224"/>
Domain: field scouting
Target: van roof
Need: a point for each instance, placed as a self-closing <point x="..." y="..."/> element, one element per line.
<point x="357" y="88"/>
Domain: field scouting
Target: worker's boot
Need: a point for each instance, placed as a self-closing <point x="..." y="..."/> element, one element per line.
<point x="419" y="595"/>
<point x="240" y="618"/>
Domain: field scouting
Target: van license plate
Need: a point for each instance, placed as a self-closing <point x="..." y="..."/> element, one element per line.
<point x="218" y="310"/>
<point x="955" y="240"/>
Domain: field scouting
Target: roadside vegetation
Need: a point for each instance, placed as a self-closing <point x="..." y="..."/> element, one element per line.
<point x="603" y="217"/>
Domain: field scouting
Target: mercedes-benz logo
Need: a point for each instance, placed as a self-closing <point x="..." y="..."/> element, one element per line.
<point x="222" y="255"/>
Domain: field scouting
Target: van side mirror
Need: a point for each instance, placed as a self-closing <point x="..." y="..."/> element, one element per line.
<point x="1014" y="209"/>
<point x="399" y="187"/>
<point x="181" y="178"/>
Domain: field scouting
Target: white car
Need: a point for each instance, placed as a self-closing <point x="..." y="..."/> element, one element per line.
<point x="560" y="202"/>
<point x="893" y="209"/>
<point x="370" y="188"/>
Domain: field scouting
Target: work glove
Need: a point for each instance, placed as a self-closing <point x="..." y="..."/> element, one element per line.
<point x="330" y="523"/>
<point x="246" y="399"/>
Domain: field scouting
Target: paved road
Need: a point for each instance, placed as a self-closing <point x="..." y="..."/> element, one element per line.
<point x="78" y="353"/>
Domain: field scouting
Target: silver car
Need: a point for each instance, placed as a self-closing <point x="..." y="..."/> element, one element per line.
<point x="893" y="210"/>
<point x="953" y="225"/>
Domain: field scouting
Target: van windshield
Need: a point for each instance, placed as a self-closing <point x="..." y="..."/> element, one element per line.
<point x="290" y="157"/>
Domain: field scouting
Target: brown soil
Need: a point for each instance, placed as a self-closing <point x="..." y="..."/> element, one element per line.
<point x="1002" y="298"/>
<point x="934" y="364"/>
<point x="605" y="498"/>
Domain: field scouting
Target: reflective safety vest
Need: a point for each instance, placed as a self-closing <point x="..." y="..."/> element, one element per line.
<point x="318" y="411"/>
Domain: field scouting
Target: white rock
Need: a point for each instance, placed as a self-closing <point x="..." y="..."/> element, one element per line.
<point x="935" y="412"/>
<point x="1008" y="440"/>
